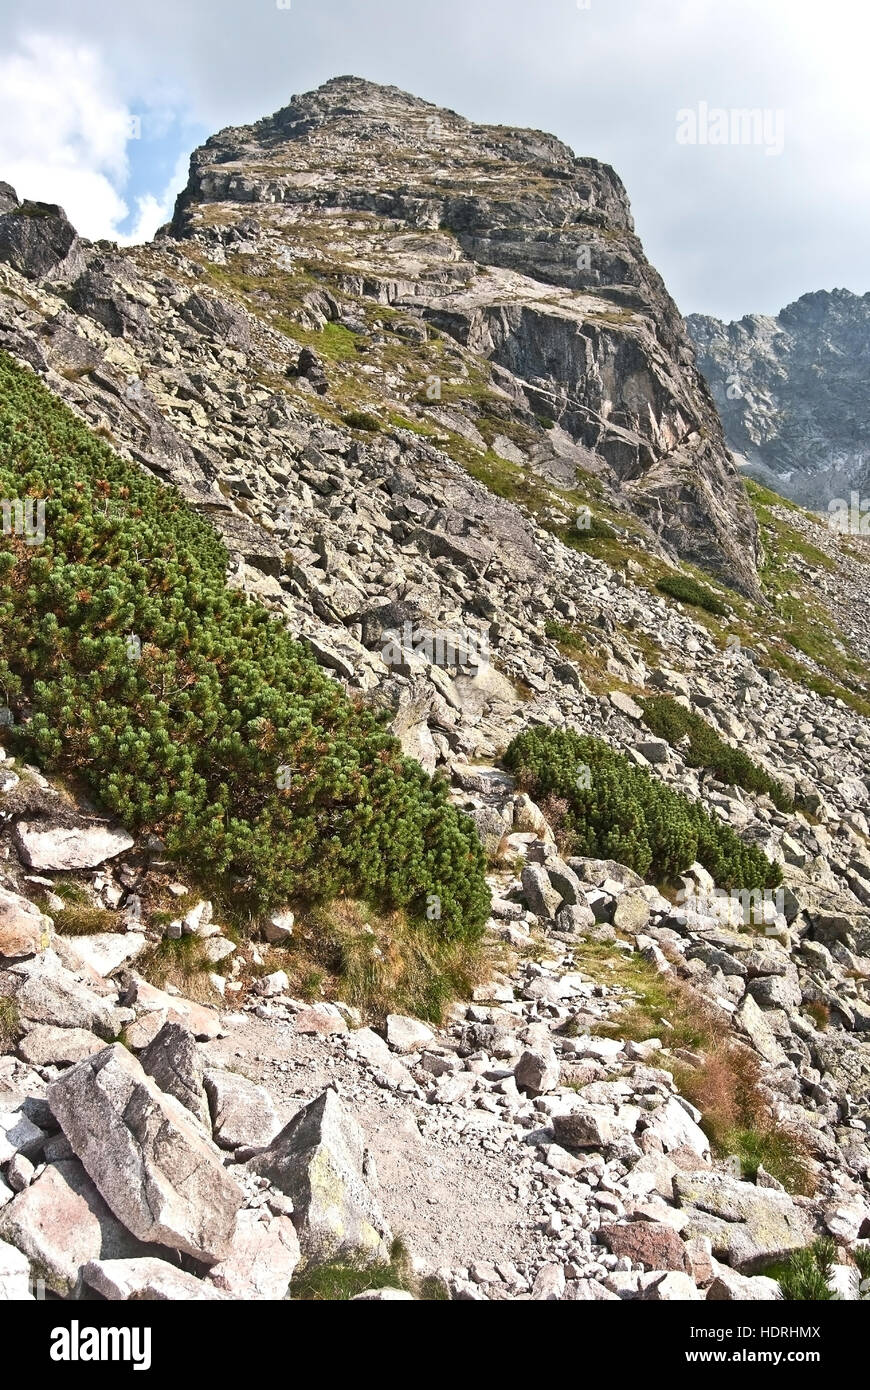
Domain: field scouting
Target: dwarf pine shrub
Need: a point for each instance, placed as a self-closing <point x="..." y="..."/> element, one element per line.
<point x="670" y="720"/>
<point x="187" y="709"/>
<point x="614" y="810"/>
<point x="688" y="590"/>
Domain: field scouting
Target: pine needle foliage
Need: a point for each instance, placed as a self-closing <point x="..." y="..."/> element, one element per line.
<point x="614" y="810"/>
<point x="213" y="728"/>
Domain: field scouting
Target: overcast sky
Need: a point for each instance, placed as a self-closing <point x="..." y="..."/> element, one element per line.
<point x="733" y="227"/>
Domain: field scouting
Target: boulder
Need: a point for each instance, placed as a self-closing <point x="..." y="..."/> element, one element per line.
<point x="543" y="899"/>
<point x="631" y="912"/>
<point x="154" y="1007"/>
<point x="747" y="1225"/>
<point x="106" y="952"/>
<point x="589" y="1127"/>
<point x="242" y="1112"/>
<point x="750" y="1019"/>
<point x="279" y="928"/>
<point x="676" y="1129"/>
<point x="324" y="1019"/>
<point x="318" y="1161"/>
<point x="564" y="880"/>
<point x="24" y="930"/>
<point x="537" y="1070"/>
<point x="60" y="1222"/>
<point x="147" y="1279"/>
<point x="45" y="1045"/>
<point x="173" y="1059"/>
<point x="729" y="1286"/>
<point x="57" y="998"/>
<point x="671" y="1288"/>
<point x="41" y="845"/>
<point x="407" y="1034"/>
<point x="149" y="1160"/>
<point x="263" y="1255"/>
<point x="575" y="919"/>
<point x="651" y="1243"/>
<point x="38" y="240"/>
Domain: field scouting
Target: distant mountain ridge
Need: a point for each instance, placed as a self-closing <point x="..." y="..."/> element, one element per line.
<point x="794" y="393"/>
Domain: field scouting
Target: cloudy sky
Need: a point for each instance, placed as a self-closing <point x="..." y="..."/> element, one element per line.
<point x="101" y="102"/>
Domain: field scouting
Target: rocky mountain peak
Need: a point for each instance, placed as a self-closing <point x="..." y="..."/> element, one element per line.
<point x="792" y="392"/>
<point x="506" y="243"/>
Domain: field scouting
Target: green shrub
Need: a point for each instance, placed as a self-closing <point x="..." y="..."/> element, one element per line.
<point x="362" y="420"/>
<point x="861" y="1256"/>
<point x="688" y="590"/>
<point x="341" y="1280"/>
<point x="214" y="729"/>
<point x="626" y="814"/>
<point x="670" y="720"/>
<point x="803" y="1277"/>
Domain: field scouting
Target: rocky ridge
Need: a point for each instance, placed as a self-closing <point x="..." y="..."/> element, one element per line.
<point x="792" y="392"/>
<point x="573" y="1165"/>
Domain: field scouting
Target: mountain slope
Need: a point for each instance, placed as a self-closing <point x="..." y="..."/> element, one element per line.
<point x="792" y="392"/>
<point x="503" y="242"/>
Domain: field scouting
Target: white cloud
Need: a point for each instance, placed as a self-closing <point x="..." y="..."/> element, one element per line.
<point x="152" y="212"/>
<point x="64" y="131"/>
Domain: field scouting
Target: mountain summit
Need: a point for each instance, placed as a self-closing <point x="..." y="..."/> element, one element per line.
<point x="504" y="242"/>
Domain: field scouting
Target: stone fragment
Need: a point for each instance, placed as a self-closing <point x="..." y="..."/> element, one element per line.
<point x="24" y="930"/>
<point x="41" y="845"/>
<point x="242" y="1112"/>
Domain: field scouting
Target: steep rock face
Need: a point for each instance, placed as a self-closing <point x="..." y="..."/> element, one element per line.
<point x="505" y="242"/>
<point x="792" y="393"/>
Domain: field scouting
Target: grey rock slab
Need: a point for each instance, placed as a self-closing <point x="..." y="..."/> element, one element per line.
<point x="242" y="1112"/>
<point x="318" y="1161"/>
<point x="147" y="1279"/>
<point x="175" y="1062"/>
<point x="148" y="1158"/>
<point x="43" y="846"/>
